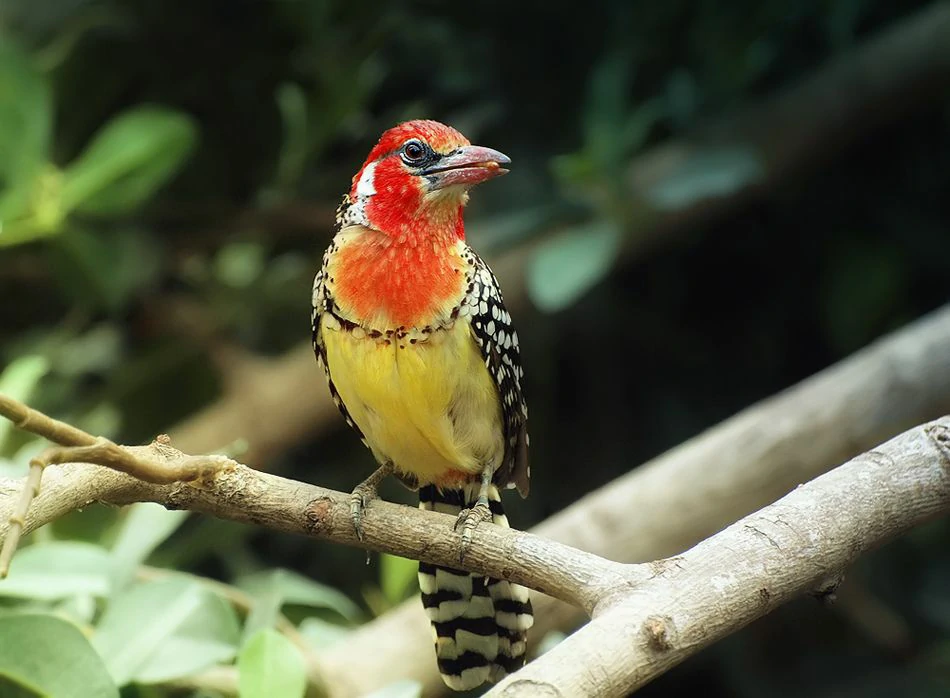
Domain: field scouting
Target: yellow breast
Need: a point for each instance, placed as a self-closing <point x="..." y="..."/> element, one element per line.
<point x="427" y="403"/>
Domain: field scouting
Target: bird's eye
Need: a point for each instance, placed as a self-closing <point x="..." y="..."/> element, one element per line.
<point x="413" y="152"/>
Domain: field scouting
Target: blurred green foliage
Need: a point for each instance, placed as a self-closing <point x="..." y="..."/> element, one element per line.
<point x="163" y="160"/>
<point x="270" y="665"/>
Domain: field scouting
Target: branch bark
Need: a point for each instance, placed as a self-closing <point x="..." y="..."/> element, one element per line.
<point x="802" y="543"/>
<point x="697" y="488"/>
<point x="797" y="129"/>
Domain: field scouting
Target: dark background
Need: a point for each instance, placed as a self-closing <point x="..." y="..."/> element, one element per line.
<point x="278" y="104"/>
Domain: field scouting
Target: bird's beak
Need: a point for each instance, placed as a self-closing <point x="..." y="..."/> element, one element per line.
<point x="467" y="166"/>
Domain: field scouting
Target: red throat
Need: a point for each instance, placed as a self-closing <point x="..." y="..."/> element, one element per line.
<point x="399" y="283"/>
<point x="403" y="269"/>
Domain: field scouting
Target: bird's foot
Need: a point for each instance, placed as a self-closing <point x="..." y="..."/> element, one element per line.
<point x="468" y="520"/>
<point x="363" y="494"/>
<point x="359" y="498"/>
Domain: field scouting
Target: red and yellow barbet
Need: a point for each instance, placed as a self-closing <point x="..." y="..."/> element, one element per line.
<point x="423" y="362"/>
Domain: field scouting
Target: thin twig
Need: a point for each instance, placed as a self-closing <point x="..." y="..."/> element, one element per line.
<point x="28" y="419"/>
<point x="157" y="463"/>
<point x="31" y="488"/>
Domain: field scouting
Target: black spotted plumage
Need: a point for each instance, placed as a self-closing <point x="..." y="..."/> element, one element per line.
<point x="322" y="302"/>
<point x="484" y="307"/>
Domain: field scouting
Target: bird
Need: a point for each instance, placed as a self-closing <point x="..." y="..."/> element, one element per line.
<point x="422" y="360"/>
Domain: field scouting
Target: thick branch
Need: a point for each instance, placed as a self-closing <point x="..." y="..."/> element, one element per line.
<point x="800" y="544"/>
<point x="697" y="488"/>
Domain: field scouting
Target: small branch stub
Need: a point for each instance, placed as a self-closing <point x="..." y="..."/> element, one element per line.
<point x="659" y="632"/>
<point x="940" y="435"/>
<point x="157" y="463"/>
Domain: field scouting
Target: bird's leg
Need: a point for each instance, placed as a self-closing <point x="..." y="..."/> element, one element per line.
<point x="469" y="519"/>
<point x="364" y="493"/>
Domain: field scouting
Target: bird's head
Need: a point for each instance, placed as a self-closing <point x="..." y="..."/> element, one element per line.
<point x="415" y="181"/>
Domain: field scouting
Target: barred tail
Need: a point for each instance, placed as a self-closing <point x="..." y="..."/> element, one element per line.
<point x="479" y="623"/>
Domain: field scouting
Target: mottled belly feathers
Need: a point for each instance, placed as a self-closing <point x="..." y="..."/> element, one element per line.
<point x="428" y="403"/>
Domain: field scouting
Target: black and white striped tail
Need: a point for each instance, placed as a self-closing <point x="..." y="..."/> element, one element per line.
<point x="479" y="623"/>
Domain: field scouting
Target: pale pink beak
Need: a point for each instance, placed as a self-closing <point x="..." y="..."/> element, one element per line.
<point x="467" y="166"/>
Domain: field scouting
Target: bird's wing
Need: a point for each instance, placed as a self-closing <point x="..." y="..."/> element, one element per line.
<point x="498" y="342"/>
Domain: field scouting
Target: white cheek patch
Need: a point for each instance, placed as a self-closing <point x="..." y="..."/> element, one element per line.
<point x="365" y="186"/>
<point x="355" y="214"/>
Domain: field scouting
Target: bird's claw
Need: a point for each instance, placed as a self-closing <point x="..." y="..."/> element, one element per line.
<point x="359" y="498"/>
<point x="468" y="520"/>
<point x="363" y="494"/>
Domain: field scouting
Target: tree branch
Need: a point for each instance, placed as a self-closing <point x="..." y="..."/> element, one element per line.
<point x="697" y="488"/>
<point x="228" y="490"/>
<point x="800" y="544"/>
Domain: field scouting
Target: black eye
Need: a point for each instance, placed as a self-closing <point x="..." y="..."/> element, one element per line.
<point x="413" y="152"/>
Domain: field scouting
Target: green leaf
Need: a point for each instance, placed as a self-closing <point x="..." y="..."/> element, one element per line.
<point x="563" y="269"/>
<point x="128" y="160"/>
<point x="322" y="634"/>
<point x="21" y="376"/>
<point x="707" y="174"/>
<point x="32" y="209"/>
<point x="607" y="107"/>
<point x="399" y="689"/>
<point x="51" y="657"/>
<point x="210" y="636"/>
<point x="636" y="129"/>
<point x="25" y="126"/>
<point x="292" y="103"/>
<point x="682" y="97"/>
<point x="264" y="612"/>
<point x="79" y="608"/>
<point x="105" y="268"/>
<point x="863" y="287"/>
<point x="58" y="570"/>
<point x="270" y="665"/>
<point x="504" y="230"/>
<point x="96" y="350"/>
<point x="296" y="589"/>
<point x="164" y="630"/>
<point x="18" y="380"/>
<point x="146" y="526"/>
<point x="396" y="577"/>
<point x="239" y="264"/>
